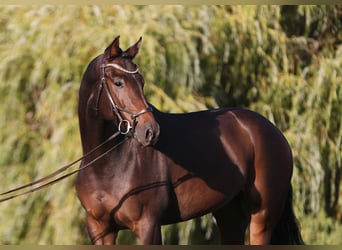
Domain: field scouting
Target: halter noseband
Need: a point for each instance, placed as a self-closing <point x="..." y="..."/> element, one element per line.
<point x="124" y="125"/>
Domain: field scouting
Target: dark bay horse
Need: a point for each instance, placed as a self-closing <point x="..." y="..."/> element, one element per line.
<point x="166" y="168"/>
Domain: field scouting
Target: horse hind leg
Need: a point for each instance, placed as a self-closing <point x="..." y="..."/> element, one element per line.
<point x="232" y="221"/>
<point x="273" y="170"/>
<point x="266" y="216"/>
<point x="260" y="229"/>
<point x="275" y="226"/>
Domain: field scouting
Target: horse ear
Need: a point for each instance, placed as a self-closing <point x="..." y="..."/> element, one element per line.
<point x="113" y="49"/>
<point x="132" y="51"/>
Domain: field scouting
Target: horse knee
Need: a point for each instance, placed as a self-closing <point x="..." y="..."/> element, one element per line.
<point x="99" y="232"/>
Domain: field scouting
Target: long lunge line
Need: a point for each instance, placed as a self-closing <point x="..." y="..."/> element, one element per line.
<point x="60" y="170"/>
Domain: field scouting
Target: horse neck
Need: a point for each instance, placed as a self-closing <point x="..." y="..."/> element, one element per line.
<point x="94" y="131"/>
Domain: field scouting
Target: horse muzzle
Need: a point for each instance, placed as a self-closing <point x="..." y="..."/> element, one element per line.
<point x="147" y="133"/>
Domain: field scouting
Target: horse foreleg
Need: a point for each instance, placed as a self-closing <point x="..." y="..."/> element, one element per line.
<point x="100" y="234"/>
<point x="148" y="231"/>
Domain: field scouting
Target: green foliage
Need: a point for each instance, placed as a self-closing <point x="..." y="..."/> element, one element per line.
<point x="319" y="229"/>
<point x="282" y="61"/>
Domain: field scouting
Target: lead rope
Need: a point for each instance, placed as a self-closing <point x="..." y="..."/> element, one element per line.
<point x="62" y="169"/>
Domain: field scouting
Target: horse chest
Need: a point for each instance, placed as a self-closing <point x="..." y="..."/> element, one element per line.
<point x="120" y="191"/>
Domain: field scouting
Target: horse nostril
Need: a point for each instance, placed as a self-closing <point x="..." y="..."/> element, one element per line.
<point x="149" y="135"/>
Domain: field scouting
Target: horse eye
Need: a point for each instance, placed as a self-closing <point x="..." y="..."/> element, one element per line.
<point x="118" y="84"/>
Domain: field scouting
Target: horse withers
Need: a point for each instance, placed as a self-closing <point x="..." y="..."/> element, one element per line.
<point x="166" y="168"/>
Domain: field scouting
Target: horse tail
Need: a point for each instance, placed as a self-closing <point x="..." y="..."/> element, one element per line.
<point x="287" y="230"/>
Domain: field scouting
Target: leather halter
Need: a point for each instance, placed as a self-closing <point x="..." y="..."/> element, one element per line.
<point x="124" y="125"/>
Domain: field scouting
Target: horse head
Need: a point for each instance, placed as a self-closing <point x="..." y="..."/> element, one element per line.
<point x="120" y="95"/>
